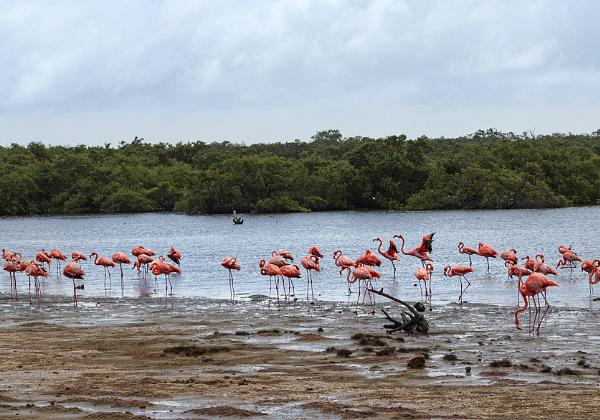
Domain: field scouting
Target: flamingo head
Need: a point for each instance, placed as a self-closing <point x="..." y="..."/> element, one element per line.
<point x="446" y="270"/>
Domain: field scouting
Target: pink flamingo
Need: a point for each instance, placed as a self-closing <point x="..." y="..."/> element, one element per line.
<point x="121" y="258"/>
<point x="536" y="284"/>
<point x="271" y="270"/>
<point x="174" y="255"/>
<point x="466" y="250"/>
<point x="368" y="258"/>
<point x="510" y="256"/>
<point x="459" y="271"/>
<point x="360" y="273"/>
<point x="390" y="254"/>
<point x="569" y="260"/>
<point x="541" y="267"/>
<point x="284" y="253"/>
<point x="74" y="272"/>
<point x="423" y="274"/>
<point x="422" y="251"/>
<point x="59" y="256"/>
<point x="12" y="267"/>
<point x="310" y="263"/>
<point x="291" y="272"/>
<point x="231" y="264"/>
<point x="487" y="251"/>
<point x="78" y="256"/>
<point x="106" y="263"/>
<point x="43" y="258"/>
<point x="313" y="250"/>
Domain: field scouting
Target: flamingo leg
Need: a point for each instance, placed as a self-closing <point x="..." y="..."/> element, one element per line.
<point x="468" y="283"/>
<point x="470" y="261"/>
<point x="394" y="267"/>
<point x="312" y="290"/>
<point x="29" y="279"/>
<point x="16" y="290"/>
<point x="461" y="290"/>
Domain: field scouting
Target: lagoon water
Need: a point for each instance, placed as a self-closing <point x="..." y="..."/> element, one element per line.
<point x="204" y="240"/>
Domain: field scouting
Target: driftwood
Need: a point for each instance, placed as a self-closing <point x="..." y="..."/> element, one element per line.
<point x="412" y="320"/>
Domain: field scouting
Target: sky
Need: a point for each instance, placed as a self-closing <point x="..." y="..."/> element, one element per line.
<point x="92" y="72"/>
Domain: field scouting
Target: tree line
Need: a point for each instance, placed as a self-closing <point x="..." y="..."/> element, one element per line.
<point x="488" y="169"/>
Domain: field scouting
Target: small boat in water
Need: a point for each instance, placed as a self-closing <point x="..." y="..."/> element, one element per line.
<point x="237" y="220"/>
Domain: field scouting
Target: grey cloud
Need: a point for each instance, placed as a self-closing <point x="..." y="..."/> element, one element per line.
<point x="270" y="70"/>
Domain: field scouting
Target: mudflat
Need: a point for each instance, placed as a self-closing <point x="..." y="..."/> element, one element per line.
<point x="200" y="358"/>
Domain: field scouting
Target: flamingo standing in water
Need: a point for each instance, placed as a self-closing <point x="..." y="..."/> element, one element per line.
<point x="342" y="260"/>
<point x="541" y="267"/>
<point x="78" y="256"/>
<point x="231" y="264"/>
<point x="271" y="270"/>
<point x="390" y="254"/>
<point x="174" y="255"/>
<point x="510" y="256"/>
<point x="285" y="254"/>
<point x="422" y="251"/>
<point x="143" y="263"/>
<point x="12" y="267"/>
<point x="591" y="267"/>
<point x="423" y="274"/>
<point x="37" y="271"/>
<point x="368" y="258"/>
<point x="487" y="251"/>
<point x="59" y="256"/>
<point x="121" y="258"/>
<point x="466" y="250"/>
<point x="517" y="270"/>
<point x="569" y="259"/>
<point x="106" y="263"/>
<point x="138" y="250"/>
<point x="313" y="250"/>
<point x="310" y="264"/>
<point x="43" y="258"/>
<point x="74" y="272"/>
<point x="291" y="272"/>
<point x="360" y="273"/>
<point x="536" y="284"/>
<point x="459" y="271"/>
<point x="529" y="262"/>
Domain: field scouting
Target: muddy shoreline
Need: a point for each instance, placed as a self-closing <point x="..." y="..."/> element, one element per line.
<point x="201" y="358"/>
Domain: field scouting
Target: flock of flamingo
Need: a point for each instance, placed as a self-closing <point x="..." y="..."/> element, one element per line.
<point x="532" y="275"/>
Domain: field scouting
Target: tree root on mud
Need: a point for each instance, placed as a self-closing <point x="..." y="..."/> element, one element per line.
<point x="412" y="320"/>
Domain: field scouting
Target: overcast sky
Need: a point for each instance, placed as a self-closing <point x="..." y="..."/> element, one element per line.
<point x="248" y="71"/>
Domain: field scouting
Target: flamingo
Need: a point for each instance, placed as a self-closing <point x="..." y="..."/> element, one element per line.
<point x="510" y="256"/>
<point x="368" y="258"/>
<point x="231" y="264"/>
<point x="291" y="272"/>
<point x="59" y="256"/>
<point x="536" y="284"/>
<point x="138" y="250"/>
<point x="313" y="250"/>
<point x="12" y="267"/>
<point x="284" y="253"/>
<point x="74" y="271"/>
<point x="277" y="260"/>
<point x="310" y="263"/>
<point x="78" y="256"/>
<point x="360" y="273"/>
<point x="487" y="251"/>
<point x="460" y="271"/>
<point x="43" y="258"/>
<point x="391" y="253"/>
<point x="35" y="270"/>
<point x="541" y="267"/>
<point x="143" y="262"/>
<point x="421" y="252"/>
<point x="158" y="267"/>
<point x="271" y="270"/>
<point x="591" y="267"/>
<point x="342" y="260"/>
<point x="529" y="262"/>
<point x="569" y="260"/>
<point x="517" y="270"/>
<point x="562" y="249"/>
<point x="466" y="250"/>
<point x="121" y="258"/>
<point x="424" y="275"/>
<point x="104" y="262"/>
<point x="174" y="255"/>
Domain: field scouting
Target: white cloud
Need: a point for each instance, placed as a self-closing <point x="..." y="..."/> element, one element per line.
<point x="283" y="69"/>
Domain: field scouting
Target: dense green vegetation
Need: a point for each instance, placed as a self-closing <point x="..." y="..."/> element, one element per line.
<point x="487" y="169"/>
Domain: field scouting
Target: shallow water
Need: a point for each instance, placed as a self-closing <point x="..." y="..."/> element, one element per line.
<point x="204" y="240"/>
